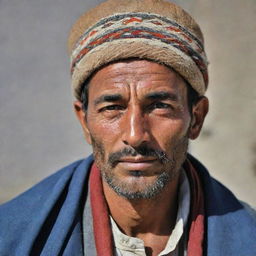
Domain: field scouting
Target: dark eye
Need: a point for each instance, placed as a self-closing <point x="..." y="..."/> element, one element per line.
<point x="111" y="107"/>
<point x="160" y="105"/>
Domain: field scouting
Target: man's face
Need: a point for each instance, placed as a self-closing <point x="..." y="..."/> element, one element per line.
<point x="138" y="123"/>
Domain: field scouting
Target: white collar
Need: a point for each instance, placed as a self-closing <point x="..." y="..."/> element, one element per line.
<point x="126" y="245"/>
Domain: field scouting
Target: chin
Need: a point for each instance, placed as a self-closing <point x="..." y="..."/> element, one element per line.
<point x="137" y="186"/>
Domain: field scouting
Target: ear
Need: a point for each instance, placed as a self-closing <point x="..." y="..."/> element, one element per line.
<point x="199" y="112"/>
<point x="81" y="116"/>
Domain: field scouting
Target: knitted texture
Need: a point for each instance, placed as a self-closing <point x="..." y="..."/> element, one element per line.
<point x="147" y="29"/>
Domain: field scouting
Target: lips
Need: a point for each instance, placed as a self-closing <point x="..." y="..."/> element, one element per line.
<point x="137" y="159"/>
<point x="136" y="163"/>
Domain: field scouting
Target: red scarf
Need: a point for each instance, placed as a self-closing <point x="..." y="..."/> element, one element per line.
<point x="101" y="222"/>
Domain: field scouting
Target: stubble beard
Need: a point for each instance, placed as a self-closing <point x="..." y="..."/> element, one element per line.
<point x="170" y="171"/>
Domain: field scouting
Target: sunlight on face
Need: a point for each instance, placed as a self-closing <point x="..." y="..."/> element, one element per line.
<point x="138" y="122"/>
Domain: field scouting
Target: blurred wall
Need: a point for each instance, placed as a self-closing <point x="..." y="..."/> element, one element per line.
<point x="39" y="132"/>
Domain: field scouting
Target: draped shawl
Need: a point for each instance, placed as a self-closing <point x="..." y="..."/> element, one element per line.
<point x="46" y="220"/>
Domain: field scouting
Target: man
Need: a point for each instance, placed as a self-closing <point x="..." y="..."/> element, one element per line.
<point x="139" y="74"/>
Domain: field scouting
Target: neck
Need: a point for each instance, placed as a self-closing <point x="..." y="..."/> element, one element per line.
<point x="141" y="217"/>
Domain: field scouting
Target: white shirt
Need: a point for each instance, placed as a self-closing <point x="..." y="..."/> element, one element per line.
<point x="132" y="246"/>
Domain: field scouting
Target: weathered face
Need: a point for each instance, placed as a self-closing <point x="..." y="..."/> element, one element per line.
<point x="138" y="123"/>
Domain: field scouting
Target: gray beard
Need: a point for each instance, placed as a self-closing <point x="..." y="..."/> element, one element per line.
<point x="152" y="190"/>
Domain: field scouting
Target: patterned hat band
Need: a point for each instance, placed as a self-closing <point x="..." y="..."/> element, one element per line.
<point x="139" y="35"/>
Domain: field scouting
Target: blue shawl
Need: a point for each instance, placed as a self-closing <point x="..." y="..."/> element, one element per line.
<point x="46" y="220"/>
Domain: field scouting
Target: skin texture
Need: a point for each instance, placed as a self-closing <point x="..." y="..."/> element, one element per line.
<point x="139" y="124"/>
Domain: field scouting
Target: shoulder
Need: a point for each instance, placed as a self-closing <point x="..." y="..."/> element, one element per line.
<point x="251" y="210"/>
<point x="219" y="199"/>
<point x="49" y="185"/>
<point x="22" y="217"/>
<point x="226" y="217"/>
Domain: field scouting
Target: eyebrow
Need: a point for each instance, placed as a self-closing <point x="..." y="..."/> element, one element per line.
<point x="162" y="95"/>
<point x="107" y="98"/>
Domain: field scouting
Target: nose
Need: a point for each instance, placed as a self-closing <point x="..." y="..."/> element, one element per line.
<point x="135" y="127"/>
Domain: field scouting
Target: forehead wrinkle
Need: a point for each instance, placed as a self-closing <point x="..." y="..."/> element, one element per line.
<point x="138" y="75"/>
<point x="127" y="81"/>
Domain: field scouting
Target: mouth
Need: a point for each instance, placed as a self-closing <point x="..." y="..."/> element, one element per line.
<point x="137" y="163"/>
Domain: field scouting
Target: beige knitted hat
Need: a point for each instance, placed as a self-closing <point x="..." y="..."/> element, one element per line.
<point x="155" y="30"/>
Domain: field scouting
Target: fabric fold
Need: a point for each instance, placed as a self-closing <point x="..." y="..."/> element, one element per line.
<point x="101" y="221"/>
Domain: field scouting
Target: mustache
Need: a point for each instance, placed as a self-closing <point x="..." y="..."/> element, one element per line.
<point x="146" y="151"/>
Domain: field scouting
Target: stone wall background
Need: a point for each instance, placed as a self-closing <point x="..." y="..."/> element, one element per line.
<point x="39" y="132"/>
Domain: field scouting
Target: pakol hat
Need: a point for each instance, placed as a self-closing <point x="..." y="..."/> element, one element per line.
<point x="154" y="30"/>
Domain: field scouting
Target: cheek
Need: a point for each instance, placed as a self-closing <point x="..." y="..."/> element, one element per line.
<point x="168" y="133"/>
<point x="107" y="133"/>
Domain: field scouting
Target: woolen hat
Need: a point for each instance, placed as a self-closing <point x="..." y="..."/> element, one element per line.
<point x="154" y="30"/>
